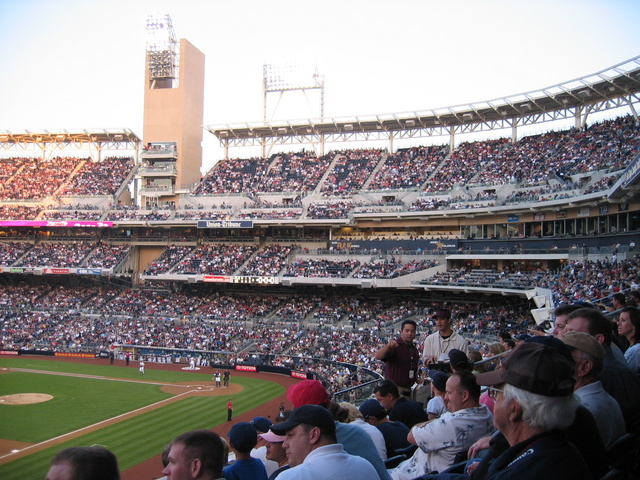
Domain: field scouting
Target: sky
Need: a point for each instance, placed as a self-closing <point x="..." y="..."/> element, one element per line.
<point x="75" y="65"/>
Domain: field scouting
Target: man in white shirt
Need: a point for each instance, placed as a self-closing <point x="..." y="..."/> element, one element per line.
<point x="438" y="345"/>
<point x="440" y="440"/>
<point x="313" y="451"/>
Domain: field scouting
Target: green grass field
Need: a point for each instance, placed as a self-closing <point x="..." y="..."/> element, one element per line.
<point x="79" y="402"/>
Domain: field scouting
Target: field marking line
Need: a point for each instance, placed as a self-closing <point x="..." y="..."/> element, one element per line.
<point x="102" y="377"/>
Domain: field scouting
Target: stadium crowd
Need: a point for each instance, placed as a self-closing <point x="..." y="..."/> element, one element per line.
<point x="558" y="164"/>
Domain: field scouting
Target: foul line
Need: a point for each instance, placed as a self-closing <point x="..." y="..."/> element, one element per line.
<point x="95" y="377"/>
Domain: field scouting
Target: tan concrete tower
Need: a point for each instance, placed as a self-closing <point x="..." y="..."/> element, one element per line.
<point x="173" y="115"/>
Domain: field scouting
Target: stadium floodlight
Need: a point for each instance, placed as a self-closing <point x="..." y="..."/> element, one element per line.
<point x="289" y="77"/>
<point x="163" y="51"/>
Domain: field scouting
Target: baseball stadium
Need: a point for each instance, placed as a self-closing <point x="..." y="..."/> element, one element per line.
<point x="131" y="281"/>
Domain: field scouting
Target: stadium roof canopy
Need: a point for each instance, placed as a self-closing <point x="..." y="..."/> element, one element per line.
<point x="101" y="139"/>
<point x="614" y="87"/>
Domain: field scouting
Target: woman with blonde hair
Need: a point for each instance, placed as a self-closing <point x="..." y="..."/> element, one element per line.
<point x="494" y="349"/>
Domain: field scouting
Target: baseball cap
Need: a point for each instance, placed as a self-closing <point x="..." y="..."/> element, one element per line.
<point x="371" y="408"/>
<point x="536" y="368"/>
<point x="243" y="436"/>
<point x="313" y="415"/>
<point x="261" y="424"/>
<point x="442" y="313"/>
<point x="439" y="379"/>
<point x="585" y="343"/>
<point x="272" y="437"/>
<point x="308" y="392"/>
<point x="583" y="304"/>
<point x="553" y="342"/>
<point x="458" y="359"/>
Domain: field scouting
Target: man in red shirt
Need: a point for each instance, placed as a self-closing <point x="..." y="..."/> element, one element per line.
<point x="401" y="358"/>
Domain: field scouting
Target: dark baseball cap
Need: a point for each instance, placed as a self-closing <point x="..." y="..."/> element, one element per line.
<point x="313" y="415"/>
<point x="261" y="424"/>
<point x="535" y="368"/>
<point x="553" y="342"/>
<point x="243" y="436"/>
<point x="439" y="379"/>
<point x="458" y="359"/>
<point x="583" y="304"/>
<point x="371" y="408"/>
<point x="442" y="313"/>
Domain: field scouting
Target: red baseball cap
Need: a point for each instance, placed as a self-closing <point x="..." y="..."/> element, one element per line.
<point x="308" y="392"/>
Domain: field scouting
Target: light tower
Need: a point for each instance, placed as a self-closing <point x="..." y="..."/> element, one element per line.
<point x="287" y="78"/>
<point x="163" y="52"/>
<point x="173" y="115"/>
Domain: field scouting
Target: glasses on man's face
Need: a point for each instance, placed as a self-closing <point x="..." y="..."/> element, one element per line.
<point x="493" y="392"/>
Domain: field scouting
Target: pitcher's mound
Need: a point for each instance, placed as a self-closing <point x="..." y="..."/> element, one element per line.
<point x="24" y="398"/>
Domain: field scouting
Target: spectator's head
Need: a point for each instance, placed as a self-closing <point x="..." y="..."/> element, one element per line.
<point x="561" y="313"/>
<point x="308" y="427"/>
<point x="351" y="410"/>
<point x="635" y="296"/>
<point x="275" y="451"/>
<point x="442" y="320"/>
<point x="629" y="324"/>
<point x="458" y="360"/>
<point x="387" y="393"/>
<point x="408" y="331"/>
<point x="510" y="343"/>
<point x="261" y="424"/>
<point x="504" y="335"/>
<point x="588" y="356"/>
<point x="196" y="454"/>
<point x="339" y="413"/>
<point x="242" y="437"/>
<point x="84" y="463"/>
<point x="438" y="380"/>
<point x="618" y="300"/>
<point x="372" y="411"/>
<point x="591" y="321"/>
<point x="461" y="391"/>
<point x="308" y="392"/>
<point x="496" y="348"/>
<point x="533" y="391"/>
<point x="475" y="357"/>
